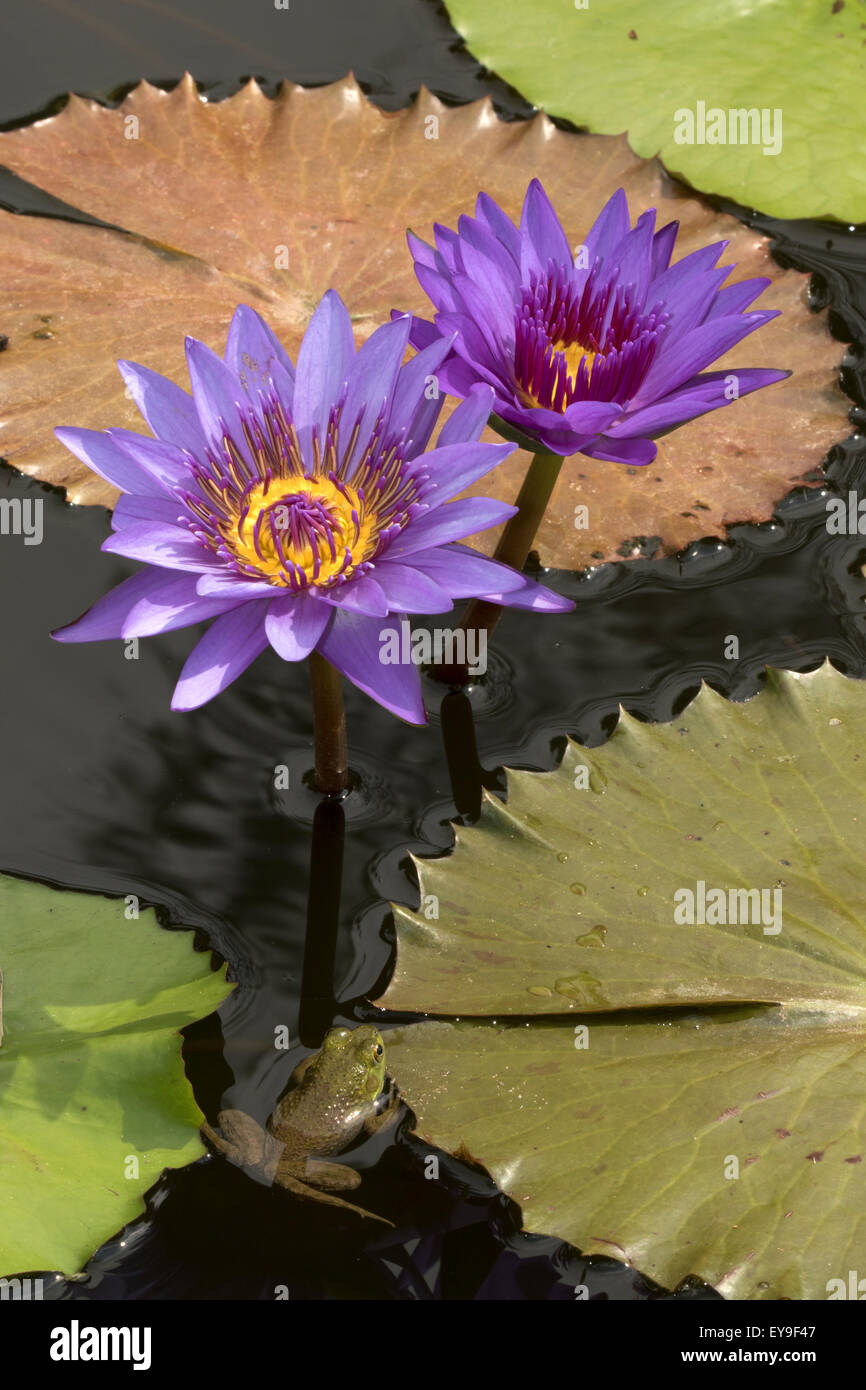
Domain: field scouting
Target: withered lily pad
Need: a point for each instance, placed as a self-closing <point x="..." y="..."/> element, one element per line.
<point x="272" y="202"/>
<point x="93" y="1098"/>
<point x="688" y="1096"/>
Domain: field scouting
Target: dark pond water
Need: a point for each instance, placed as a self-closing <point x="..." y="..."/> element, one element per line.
<point x="104" y="789"/>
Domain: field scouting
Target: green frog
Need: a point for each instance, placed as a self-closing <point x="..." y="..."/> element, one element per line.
<point x="333" y="1096"/>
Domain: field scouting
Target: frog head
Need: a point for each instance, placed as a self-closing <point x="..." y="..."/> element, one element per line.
<point x="355" y="1057"/>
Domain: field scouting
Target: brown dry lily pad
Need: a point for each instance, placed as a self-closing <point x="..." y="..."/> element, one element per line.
<point x="273" y="201"/>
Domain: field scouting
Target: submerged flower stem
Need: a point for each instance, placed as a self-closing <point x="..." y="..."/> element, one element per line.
<point x="329" y="727"/>
<point x="512" y="549"/>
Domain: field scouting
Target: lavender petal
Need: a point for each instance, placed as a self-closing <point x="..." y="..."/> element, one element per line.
<point x="225" y="651"/>
<point x="354" y="645"/>
<point x="295" y="623"/>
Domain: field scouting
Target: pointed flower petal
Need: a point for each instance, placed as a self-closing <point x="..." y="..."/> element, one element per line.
<point x="257" y="358"/>
<point x="294" y="625"/>
<point x="150" y="601"/>
<point x="324" y="360"/>
<point x="408" y="590"/>
<point x="229" y="646"/>
<point x="169" y="547"/>
<point x="217" y="394"/>
<point x="113" y="463"/>
<point x="354" y="645"/>
<point x="451" y="523"/>
<point x="169" y="411"/>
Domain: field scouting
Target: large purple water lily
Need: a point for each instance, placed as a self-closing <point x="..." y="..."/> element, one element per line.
<point x="297" y="505"/>
<point x="596" y="350"/>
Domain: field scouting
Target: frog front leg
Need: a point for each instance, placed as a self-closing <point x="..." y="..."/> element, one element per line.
<point x="384" y="1111"/>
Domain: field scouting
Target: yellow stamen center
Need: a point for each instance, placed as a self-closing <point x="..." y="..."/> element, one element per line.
<point x="574" y="354"/>
<point x="308" y="523"/>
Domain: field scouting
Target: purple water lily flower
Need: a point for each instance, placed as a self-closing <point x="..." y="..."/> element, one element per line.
<point x="595" y="351"/>
<point x="297" y="506"/>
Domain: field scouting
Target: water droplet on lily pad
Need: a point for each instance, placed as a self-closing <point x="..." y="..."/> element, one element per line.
<point x="582" y="987"/>
<point x="578" y="888"/>
<point x="594" y="937"/>
<point x="541" y="991"/>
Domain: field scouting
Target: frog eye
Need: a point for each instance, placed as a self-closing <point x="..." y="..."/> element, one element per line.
<point x="378" y="1050"/>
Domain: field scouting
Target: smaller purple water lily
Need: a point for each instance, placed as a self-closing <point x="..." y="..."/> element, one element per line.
<point x="597" y="352"/>
<point x="297" y="506"/>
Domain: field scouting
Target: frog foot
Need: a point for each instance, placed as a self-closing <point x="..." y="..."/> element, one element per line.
<point x="322" y="1180"/>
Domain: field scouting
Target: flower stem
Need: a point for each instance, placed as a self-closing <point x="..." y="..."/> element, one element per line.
<point x="513" y="549"/>
<point x="329" y="728"/>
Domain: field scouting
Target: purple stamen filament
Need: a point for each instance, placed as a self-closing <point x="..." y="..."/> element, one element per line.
<point x="576" y="343"/>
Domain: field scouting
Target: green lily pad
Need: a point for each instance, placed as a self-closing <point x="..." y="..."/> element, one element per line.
<point x="93" y="1098"/>
<point x="614" y="66"/>
<point x="687" y="1096"/>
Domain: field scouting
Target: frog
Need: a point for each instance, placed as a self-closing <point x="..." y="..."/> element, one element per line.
<point x="333" y="1097"/>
